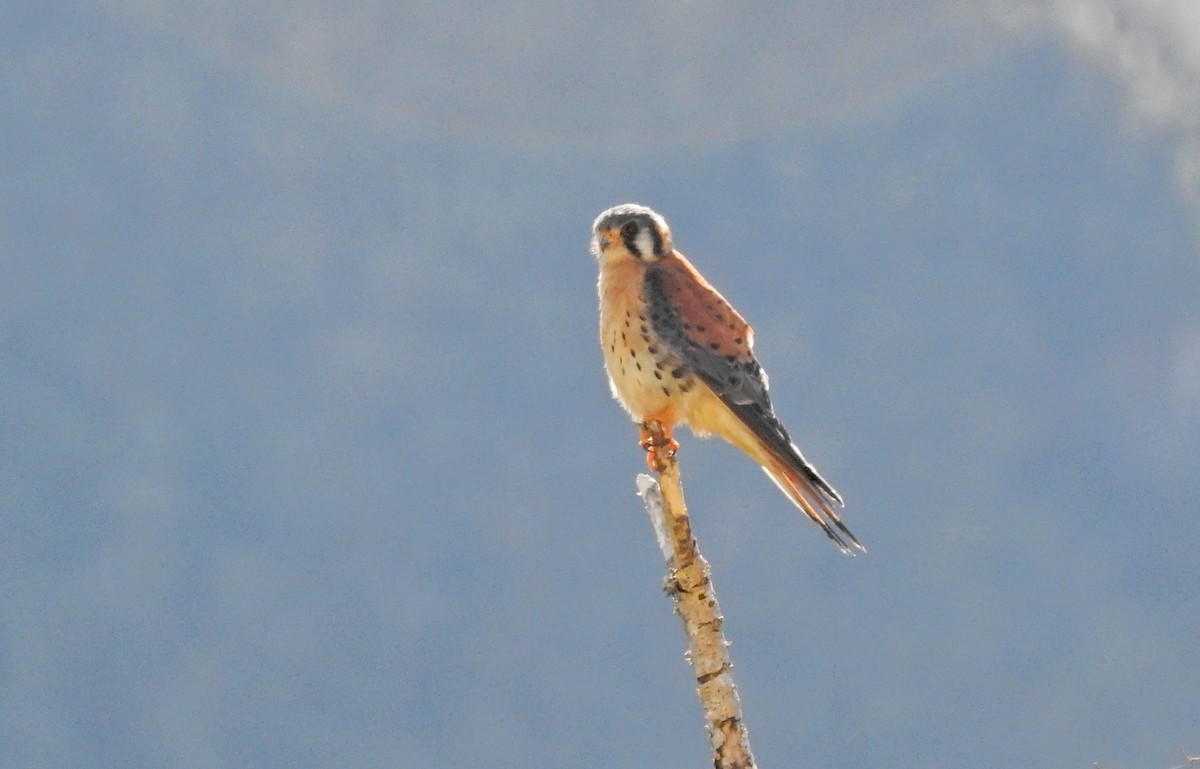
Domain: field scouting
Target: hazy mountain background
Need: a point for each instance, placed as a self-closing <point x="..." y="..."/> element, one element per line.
<point x="307" y="458"/>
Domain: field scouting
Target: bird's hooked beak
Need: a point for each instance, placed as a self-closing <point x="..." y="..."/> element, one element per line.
<point x="602" y="240"/>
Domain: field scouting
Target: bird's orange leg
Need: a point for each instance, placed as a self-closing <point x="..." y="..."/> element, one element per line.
<point x="660" y="446"/>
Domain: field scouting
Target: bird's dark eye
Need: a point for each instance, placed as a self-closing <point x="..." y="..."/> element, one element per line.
<point x="629" y="229"/>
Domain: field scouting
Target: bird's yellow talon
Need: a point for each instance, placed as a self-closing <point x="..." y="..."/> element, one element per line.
<point x="659" y="445"/>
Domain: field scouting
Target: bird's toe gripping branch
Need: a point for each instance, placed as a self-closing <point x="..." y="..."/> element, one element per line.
<point x="659" y="445"/>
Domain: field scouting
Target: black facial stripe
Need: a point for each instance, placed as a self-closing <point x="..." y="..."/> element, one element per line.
<point x="630" y="240"/>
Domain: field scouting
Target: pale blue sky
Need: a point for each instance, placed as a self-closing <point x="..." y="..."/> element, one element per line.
<point x="307" y="458"/>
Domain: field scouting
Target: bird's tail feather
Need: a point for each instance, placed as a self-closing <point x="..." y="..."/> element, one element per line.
<point x="816" y="498"/>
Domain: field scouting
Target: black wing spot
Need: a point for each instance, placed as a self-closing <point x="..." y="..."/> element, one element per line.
<point x="666" y="391"/>
<point x="679" y="372"/>
<point x="735" y="380"/>
<point x="714" y="345"/>
<point x="737" y="340"/>
<point x="657" y="373"/>
<point x="639" y="366"/>
<point x="701" y="328"/>
<point x="652" y="349"/>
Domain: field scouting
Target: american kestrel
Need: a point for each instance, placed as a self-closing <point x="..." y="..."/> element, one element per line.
<point x="677" y="353"/>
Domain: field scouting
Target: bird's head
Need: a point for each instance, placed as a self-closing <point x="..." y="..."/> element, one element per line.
<point x="633" y="232"/>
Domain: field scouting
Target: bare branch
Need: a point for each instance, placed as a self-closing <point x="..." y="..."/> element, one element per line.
<point x="689" y="584"/>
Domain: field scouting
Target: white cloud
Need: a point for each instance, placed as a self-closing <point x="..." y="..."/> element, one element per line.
<point x="1152" y="50"/>
<point x="1152" y="47"/>
<point x="679" y="72"/>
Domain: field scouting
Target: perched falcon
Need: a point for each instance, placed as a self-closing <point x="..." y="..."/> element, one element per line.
<point x="677" y="353"/>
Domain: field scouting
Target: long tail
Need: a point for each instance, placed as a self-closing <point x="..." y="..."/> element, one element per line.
<point x="809" y="492"/>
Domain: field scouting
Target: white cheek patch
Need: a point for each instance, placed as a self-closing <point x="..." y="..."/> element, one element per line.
<point x="644" y="242"/>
